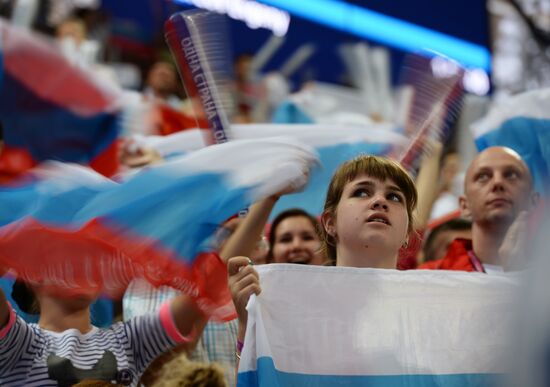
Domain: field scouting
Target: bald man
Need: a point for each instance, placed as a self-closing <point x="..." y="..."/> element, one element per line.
<point x="498" y="194"/>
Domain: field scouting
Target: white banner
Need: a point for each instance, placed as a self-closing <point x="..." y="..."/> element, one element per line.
<point x="328" y="326"/>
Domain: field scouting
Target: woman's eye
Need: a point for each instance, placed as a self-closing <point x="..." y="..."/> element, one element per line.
<point x="395" y="197"/>
<point x="360" y="193"/>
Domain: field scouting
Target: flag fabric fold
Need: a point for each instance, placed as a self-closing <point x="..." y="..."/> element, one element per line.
<point x="334" y="144"/>
<point x="67" y="226"/>
<point x="374" y="327"/>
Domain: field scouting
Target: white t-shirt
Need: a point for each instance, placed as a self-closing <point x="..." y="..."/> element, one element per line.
<point x="32" y="356"/>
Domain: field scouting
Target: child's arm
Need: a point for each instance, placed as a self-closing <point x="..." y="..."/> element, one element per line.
<point x="189" y="319"/>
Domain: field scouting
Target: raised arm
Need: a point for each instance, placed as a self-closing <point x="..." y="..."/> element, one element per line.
<point x="427" y="185"/>
<point x="189" y="319"/>
<point x="243" y="241"/>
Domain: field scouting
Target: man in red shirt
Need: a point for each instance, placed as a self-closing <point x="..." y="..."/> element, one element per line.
<point x="498" y="194"/>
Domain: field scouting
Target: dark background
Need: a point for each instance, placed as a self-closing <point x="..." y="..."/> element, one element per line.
<point x="141" y="20"/>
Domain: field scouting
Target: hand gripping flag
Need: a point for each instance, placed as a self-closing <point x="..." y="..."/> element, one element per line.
<point x="71" y="228"/>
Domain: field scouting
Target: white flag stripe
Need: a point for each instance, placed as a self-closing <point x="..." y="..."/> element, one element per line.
<point x="315" y="135"/>
<point x="347" y="321"/>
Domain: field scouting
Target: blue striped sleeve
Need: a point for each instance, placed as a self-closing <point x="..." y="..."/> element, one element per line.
<point x="146" y="339"/>
<point x="17" y="347"/>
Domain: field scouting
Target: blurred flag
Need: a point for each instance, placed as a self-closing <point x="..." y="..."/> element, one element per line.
<point x="522" y="123"/>
<point x="326" y="326"/>
<point x="52" y="110"/>
<point x="69" y="227"/>
<point x="530" y="361"/>
<point x="335" y="144"/>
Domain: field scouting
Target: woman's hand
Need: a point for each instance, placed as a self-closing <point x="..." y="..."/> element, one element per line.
<point x="243" y="282"/>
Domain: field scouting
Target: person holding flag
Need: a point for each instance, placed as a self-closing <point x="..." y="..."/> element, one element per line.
<point x="367" y="219"/>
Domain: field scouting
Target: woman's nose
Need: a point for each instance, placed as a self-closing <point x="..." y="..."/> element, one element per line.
<point x="379" y="202"/>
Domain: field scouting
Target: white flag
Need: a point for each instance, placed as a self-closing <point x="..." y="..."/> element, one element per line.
<point x="332" y="326"/>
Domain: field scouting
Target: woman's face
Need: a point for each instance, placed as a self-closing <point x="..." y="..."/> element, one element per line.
<point x="371" y="213"/>
<point x="297" y="242"/>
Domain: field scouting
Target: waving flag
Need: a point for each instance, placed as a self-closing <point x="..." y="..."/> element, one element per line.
<point x="73" y="229"/>
<point x="334" y="145"/>
<point x="52" y="110"/>
<point x="521" y="123"/>
<point x="379" y="328"/>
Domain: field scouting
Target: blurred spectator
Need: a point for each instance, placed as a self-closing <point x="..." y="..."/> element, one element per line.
<point x="73" y="29"/>
<point x="248" y="92"/>
<point x="161" y="83"/>
<point x="441" y="237"/>
<point x="449" y="179"/>
<point x="24" y="303"/>
<point x="72" y="37"/>
<point x="295" y="238"/>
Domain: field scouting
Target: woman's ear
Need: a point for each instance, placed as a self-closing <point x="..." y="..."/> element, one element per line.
<point x="329" y="224"/>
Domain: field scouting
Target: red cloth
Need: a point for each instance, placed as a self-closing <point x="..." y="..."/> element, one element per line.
<point x="105" y="260"/>
<point x="456" y="258"/>
<point x="407" y="255"/>
<point x="13" y="162"/>
<point x="172" y="120"/>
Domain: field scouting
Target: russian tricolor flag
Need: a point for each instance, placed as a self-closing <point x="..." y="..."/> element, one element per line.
<point x="66" y="226"/>
<point x="50" y="109"/>
<point x="340" y="326"/>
